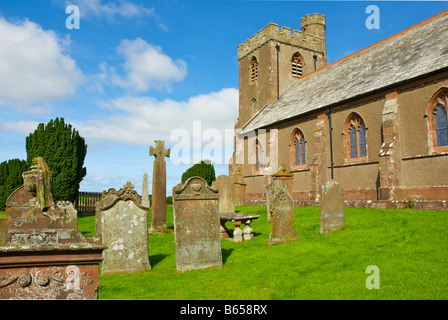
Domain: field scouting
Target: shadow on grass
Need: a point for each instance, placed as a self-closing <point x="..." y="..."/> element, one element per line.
<point x="225" y="254"/>
<point x="155" y="259"/>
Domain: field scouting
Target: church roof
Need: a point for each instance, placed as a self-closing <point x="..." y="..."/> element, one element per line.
<point x="412" y="53"/>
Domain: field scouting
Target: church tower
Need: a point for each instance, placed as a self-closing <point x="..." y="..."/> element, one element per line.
<point x="271" y="60"/>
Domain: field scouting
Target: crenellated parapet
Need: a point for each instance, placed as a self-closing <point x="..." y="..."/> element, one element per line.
<point x="313" y="24"/>
<point x="304" y="39"/>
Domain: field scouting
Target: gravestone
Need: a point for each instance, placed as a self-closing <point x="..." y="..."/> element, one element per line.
<point x="283" y="175"/>
<point x="224" y="184"/>
<point x="196" y="225"/>
<point x="239" y="187"/>
<point x="332" y="217"/>
<point x="122" y="225"/>
<point x="145" y="194"/>
<point x="43" y="255"/>
<point x="282" y="214"/>
<point x="158" y="210"/>
<point x="267" y="183"/>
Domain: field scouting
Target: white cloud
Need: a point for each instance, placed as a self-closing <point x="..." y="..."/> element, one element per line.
<point x="97" y="8"/>
<point x="163" y="27"/>
<point x="147" y="119"/>
<point x="34" y="70"/>
<point x="23" y="127"/>
<point x="147" y="66"/>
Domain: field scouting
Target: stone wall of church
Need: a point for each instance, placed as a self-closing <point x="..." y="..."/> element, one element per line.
<point x="400" y="167"/>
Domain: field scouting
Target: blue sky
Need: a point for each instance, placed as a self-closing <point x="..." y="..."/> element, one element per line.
<point x="136" y="71"/>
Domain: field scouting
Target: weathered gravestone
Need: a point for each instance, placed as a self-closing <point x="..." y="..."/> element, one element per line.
<point x="122" y="225"/>
<point x="196" y="225"/>
<point x="267" y="182"/>
<point x="158" y="209"/>
<point x="283" y="175"/>
<point x="282" y="213"/>
<point x="239" y="187"/>
<point x="145" y="194"/>
<point x="332" y="217"/>
<point x="43" y="255"/>
<point x="224" y="184"/>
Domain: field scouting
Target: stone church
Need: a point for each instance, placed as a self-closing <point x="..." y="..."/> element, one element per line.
<point x="374" y="121"/>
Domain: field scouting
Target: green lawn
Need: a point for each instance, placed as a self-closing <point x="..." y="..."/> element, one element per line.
<point x="410" y="248"/>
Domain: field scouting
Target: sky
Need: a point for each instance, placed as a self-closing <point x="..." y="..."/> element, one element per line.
<point x="133" y="72"/>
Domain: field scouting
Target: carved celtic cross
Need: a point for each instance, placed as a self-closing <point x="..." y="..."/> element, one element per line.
<point x="159" y="151"/>
<point x="158" y="213"/>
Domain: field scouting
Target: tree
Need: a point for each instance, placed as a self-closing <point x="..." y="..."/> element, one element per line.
<point x="203" y="169"/>
<point x="64" y="151"/>
<point x="10" y="178"/>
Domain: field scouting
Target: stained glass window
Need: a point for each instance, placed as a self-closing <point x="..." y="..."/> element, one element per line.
<point x="441" y="122"/>
<point x="300" y="151"/>
<point x="357" y="137"/>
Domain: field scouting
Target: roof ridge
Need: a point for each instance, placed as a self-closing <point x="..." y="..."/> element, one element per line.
<point x="305" y="81"/>
<point x="379" y="42"/>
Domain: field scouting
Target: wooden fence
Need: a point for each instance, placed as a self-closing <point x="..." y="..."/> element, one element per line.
<point x="86" y="202"/>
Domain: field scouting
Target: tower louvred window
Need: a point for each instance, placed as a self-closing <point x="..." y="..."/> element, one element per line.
<point x="253" y="69"/>
<point x="296" y="66"/>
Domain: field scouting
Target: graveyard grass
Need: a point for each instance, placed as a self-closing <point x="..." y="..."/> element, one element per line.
<point x="408" y="246"/>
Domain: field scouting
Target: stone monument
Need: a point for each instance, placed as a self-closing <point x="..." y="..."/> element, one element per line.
<point x="239" y="187"/>
<point x="332" y="217"/>
<point x="282" y="214"/>
<point x="224" y="184"/>
<point x="145" y="193"/>
<point x="158" y="211"/>
<point x="122" y="225"/>
<point x="43" y="255"/>
<point x="283" y="175"/>
<point x="196" y="225"/>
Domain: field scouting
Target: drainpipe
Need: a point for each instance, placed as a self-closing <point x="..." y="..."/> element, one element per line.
<point x="331" y="141"/>
<point x="278" y="71"/>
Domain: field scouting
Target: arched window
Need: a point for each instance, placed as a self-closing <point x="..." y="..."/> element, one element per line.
<point x="441" y="123"/>
<point x="253" y="69"/>
<point x="438" y="119"/>
<point x="356" y="142"/>
<point x="296" y="65"/>
<point x="298" y="150"/>
<point x="258" y="157"/>
<point x="254" y="105"/>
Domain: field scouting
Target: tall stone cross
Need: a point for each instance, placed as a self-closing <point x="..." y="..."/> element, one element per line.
<point x="158" y="212"/>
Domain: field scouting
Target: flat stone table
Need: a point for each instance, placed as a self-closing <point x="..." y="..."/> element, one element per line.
<point x="237" y="218"/>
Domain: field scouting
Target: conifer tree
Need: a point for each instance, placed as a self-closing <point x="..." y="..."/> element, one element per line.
<point x="64" y="151"/>
<point x="10" y="178"/>
<point x="204" y="169"/>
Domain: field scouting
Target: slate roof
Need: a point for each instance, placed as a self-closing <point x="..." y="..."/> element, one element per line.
<point x="412" y="53"/>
